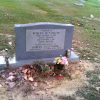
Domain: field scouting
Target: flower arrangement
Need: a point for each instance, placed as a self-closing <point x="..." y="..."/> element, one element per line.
<point x="61" y="60"/>
<point x="60" y="63"/>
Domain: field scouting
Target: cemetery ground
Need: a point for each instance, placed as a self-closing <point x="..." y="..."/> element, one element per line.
<point x="86" y="43"/>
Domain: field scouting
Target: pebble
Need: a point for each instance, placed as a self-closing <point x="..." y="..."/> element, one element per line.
<point x="10" y="43"/>
<point x="99" y="76"/>
<point x="33" y="87"/>
<point x="98" y="88"/>
<point x="84" y="55"/>
<point x="87" y="44"/>
<point x="35" y="84"/>
<point x="96" y="59"/>
<point x="11" y="74"/>
<point x="3" y="76"/>
<point x="1" y="86"/>
<point x="91" y="16"/>
<point x="88" y="58"/>
<point x="11" y="84"/>
<point x="10" y="78"/>
<point x="31" y="79"/>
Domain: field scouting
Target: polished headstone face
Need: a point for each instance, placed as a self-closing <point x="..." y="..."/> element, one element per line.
<point x="42" y="40"/>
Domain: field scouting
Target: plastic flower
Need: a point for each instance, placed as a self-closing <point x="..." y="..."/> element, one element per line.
<point x="61" y="60"/>
<point x="64" y="61"/>
<point x="57" y="60"/>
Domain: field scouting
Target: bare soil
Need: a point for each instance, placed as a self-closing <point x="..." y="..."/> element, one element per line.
<point x="51" y="89"/>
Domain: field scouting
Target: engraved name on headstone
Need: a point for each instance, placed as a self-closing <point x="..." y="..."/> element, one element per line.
<point x="44" y="39"/>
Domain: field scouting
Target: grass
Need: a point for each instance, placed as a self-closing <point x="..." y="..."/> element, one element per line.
<point x="64" y="11"/>
<point x="90" y="91"/>
<point x="28" y="11"/>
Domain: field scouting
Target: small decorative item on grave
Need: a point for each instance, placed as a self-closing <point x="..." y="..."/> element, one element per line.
<point x="61" y="60"/>
<point x="60" y="63"/>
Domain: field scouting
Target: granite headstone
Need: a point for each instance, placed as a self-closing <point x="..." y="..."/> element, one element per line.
<point x="42" y="40"/>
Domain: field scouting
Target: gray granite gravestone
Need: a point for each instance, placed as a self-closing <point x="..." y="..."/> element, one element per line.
<point x="42" y="40"/>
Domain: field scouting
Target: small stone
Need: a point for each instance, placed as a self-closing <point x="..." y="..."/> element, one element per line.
<point x="3" y="76"/>
<point x="11" y="74"/>
<point x="47" y="83"/>
<point x="96" y="59"/>
<point x="11" y="84"/>
<point x="84" y="55"/>
<point x="98" y="88"/>
<point x="72" y="49"/>
<point x="99" y="76"/>
<point x="88" y="44"/>
<point x="35" y="84"/>
<point x="25" y="77"/>
<point x="10" y="43"/>
<point x="33" y="87"/>
<point x="82" y="42"/>
<point x="91" y="16"/>
<point x="1" y="86"/>
<point x="10" y="78"/>
<point x="88" y="58"/>
<point x="86" y="82"/>
<point x="31" y="79"/>
<point x="90" y="50"/>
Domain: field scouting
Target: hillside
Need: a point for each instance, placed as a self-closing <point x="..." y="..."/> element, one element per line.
<point x="85" y="17"/>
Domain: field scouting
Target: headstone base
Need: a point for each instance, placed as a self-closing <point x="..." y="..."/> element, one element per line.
<point x="73" y="58"/>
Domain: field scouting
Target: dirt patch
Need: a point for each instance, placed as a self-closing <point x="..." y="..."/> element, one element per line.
<point x="50" y="89"/>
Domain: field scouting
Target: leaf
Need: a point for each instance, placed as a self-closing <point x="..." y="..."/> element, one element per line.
<point x="31" y="79"/>
<point x="25" y="77"/>
<point x="25" y="71"/>
<point x="10" y="78"/>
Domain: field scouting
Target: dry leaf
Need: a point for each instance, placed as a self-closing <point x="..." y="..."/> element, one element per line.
<point x="25" y="71"/>
<point x="11" y="84"/>
<point x="10" y="78"/>
<point x="31" y="79"/>
<point x="11" y="74"/>
<point x="35" y="84"/>
<point x="1" y="86"/>
<point x="25" y="77"/>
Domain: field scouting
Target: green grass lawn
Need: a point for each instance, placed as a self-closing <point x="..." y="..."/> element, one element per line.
<point x="64" y="11"/>
<point x="28" y="11"/>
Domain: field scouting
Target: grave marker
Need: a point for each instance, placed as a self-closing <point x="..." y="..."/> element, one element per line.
<point x="42" y="40"/>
